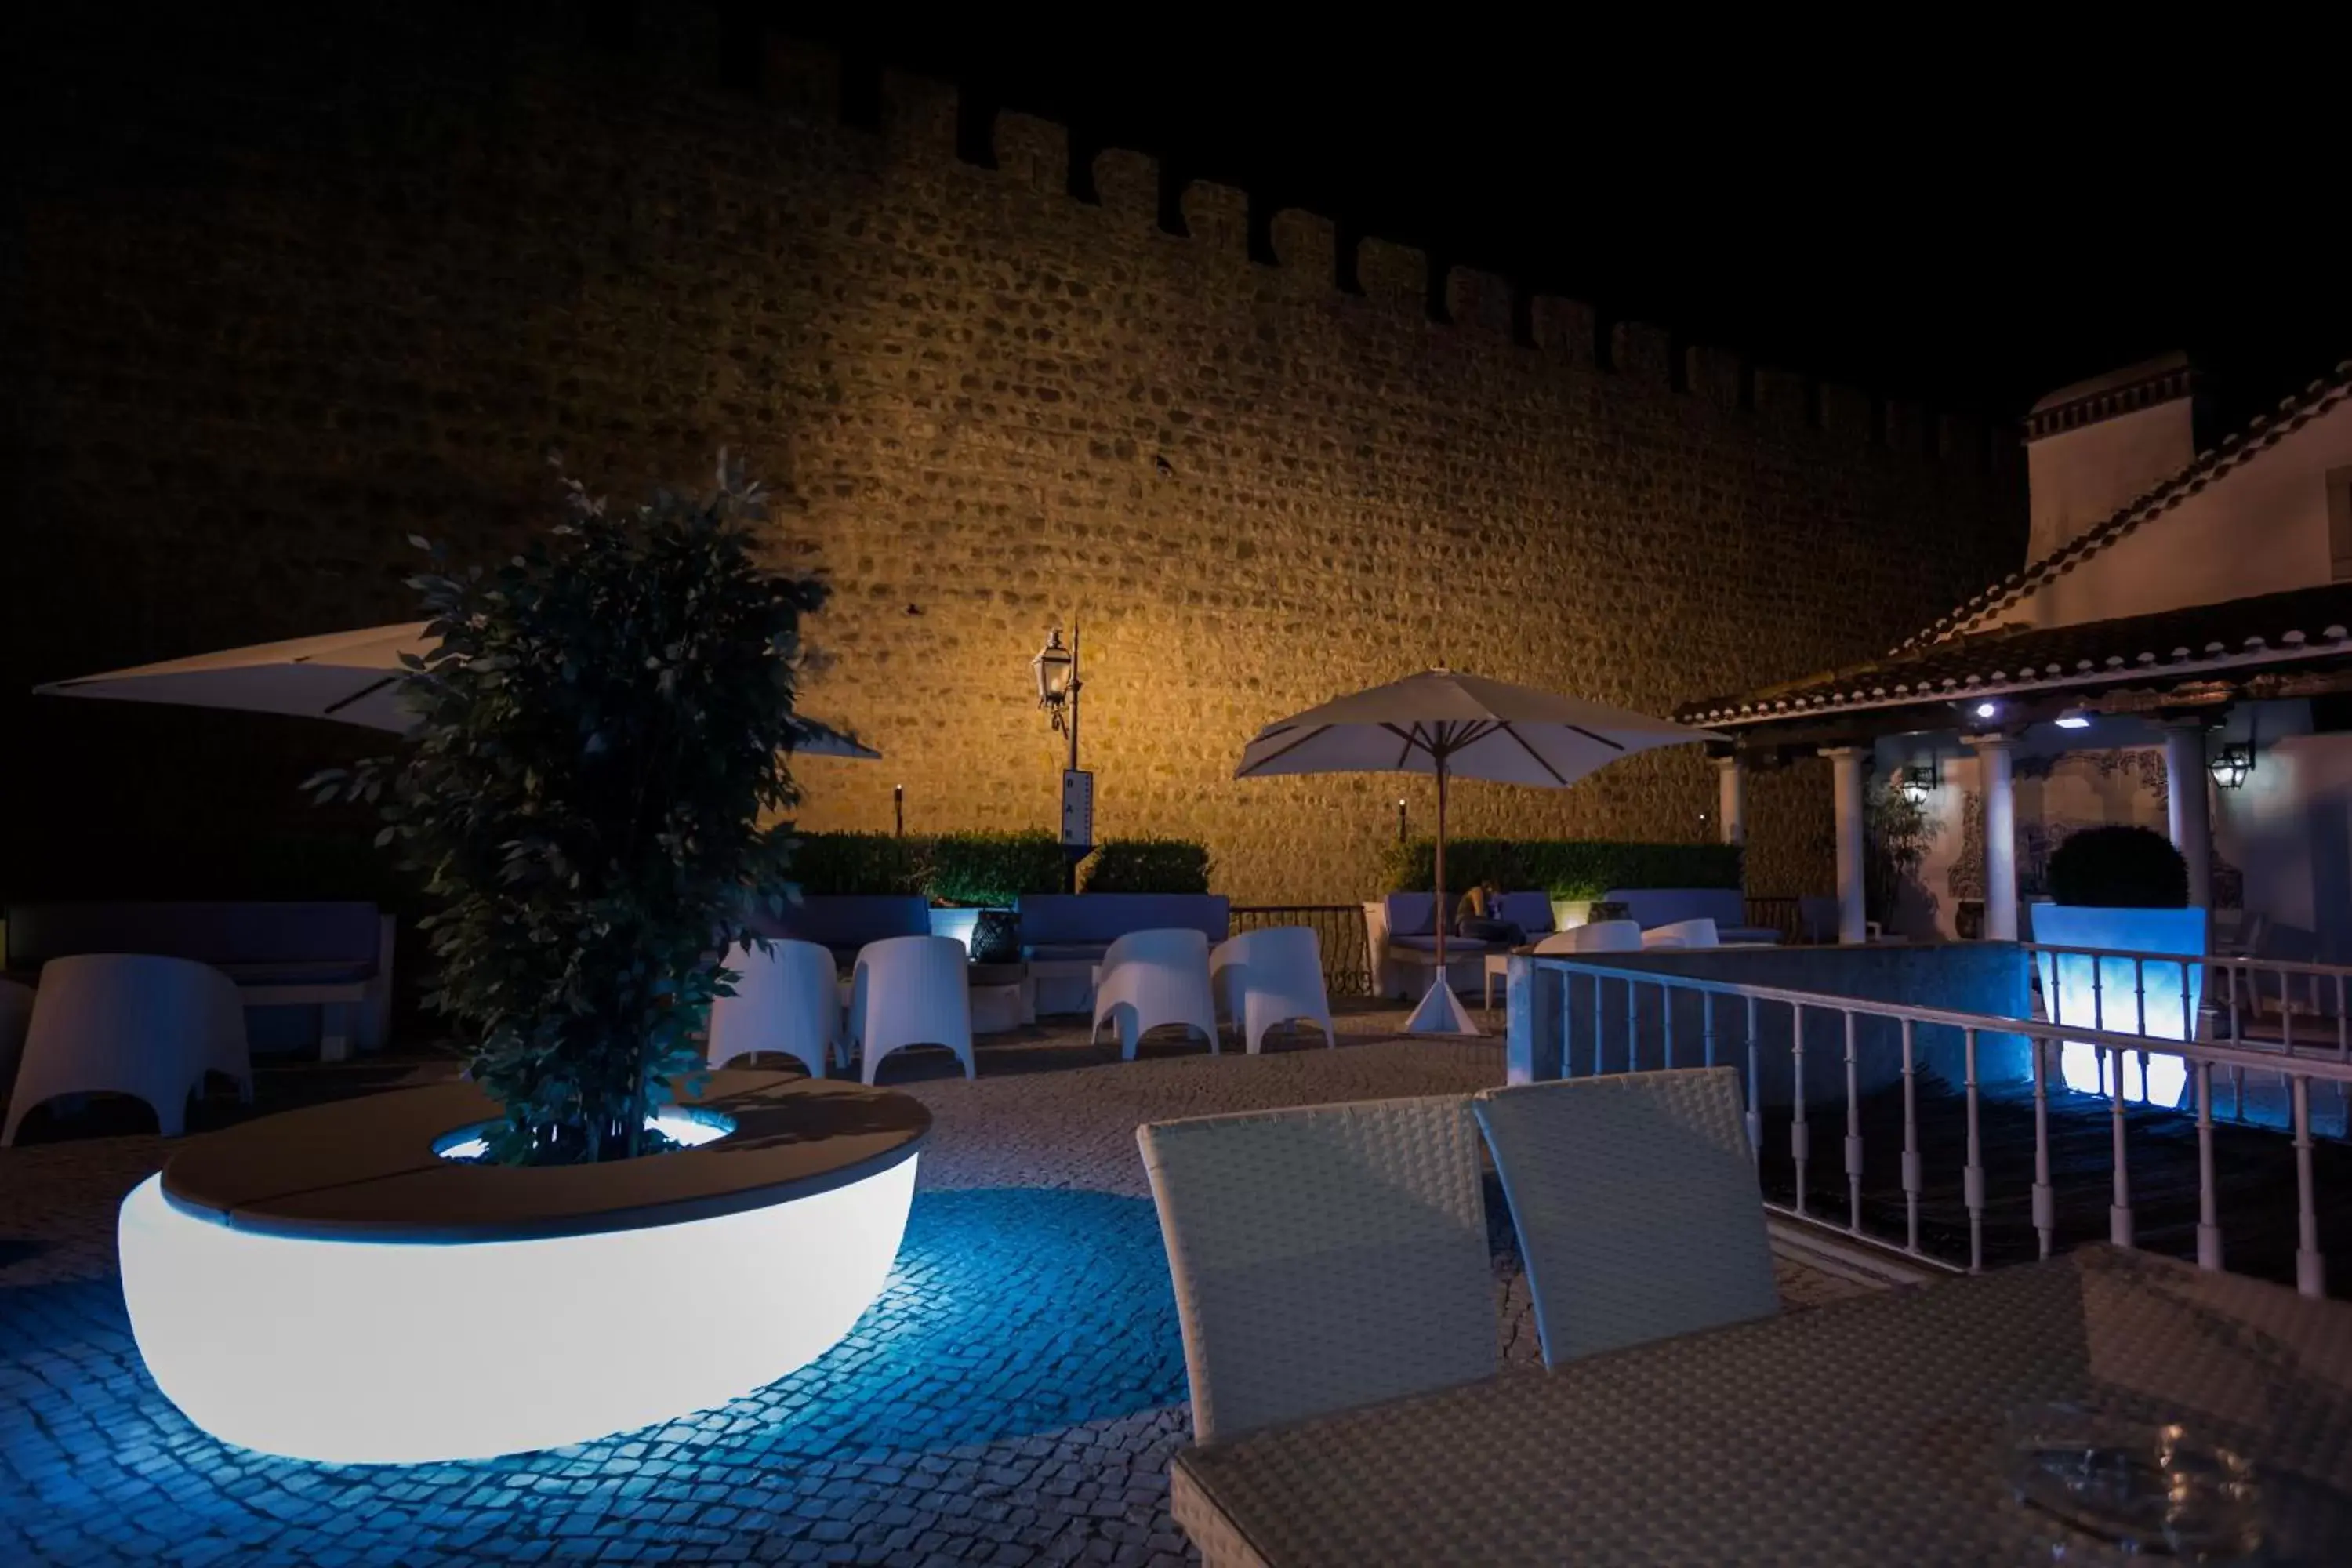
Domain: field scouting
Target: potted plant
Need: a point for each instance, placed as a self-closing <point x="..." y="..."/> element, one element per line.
<point x="2121" y="889"/>
<point x="591" y="793"/>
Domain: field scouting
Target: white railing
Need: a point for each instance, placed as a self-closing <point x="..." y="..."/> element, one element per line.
<point x="1557" y="1008"/>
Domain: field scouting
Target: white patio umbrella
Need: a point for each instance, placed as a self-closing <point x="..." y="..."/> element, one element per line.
<point x="1457" y="726"/>
<point x="353" y="677"/>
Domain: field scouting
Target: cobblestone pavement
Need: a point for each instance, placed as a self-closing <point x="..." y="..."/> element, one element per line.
<point x="1012" y="1397"/>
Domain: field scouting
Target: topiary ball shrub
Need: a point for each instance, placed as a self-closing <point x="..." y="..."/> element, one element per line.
<point x="2118" y="868"/>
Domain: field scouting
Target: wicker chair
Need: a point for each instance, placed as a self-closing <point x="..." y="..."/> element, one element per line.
<point x="1636" y="1204"/>
<point x="1324" y="1258"/>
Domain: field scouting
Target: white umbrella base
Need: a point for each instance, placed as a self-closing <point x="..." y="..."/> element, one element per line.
<point x="1441" y="1013"/>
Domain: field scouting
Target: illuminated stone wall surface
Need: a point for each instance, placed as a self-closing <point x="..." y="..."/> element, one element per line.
<point x="266" y="345"/>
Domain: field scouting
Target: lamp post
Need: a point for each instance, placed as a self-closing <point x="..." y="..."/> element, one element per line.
<point x="1400" y="819"/>
<point x="1056" y="667"/>
<point x="899" y="807"/>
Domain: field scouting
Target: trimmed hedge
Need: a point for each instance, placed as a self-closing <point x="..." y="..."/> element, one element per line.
<point x="991" y="869"/>
<point x="1146" y="865"/>
<point x="2119" y="867"/>
<point x="958" y="868"/>
<point x="1564" y="867"/>
<point x="828" y="864"/>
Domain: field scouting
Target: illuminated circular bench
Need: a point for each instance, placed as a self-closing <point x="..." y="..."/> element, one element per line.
<point x="325" y="1284"/>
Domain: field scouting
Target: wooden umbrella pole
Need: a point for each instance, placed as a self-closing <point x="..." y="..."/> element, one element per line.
<point x="1440" y="911"/>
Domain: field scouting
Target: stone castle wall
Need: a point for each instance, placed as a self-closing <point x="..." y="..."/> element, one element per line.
<point x="254" y="363"/>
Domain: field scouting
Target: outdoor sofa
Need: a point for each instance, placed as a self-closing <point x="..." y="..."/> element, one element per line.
<point x="1065" y="935"/>
<point x="1401" y="934"/>
<point x="1727" y="907"/>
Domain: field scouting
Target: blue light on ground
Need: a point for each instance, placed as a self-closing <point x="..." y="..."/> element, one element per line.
<point x="1013" y="1313"/>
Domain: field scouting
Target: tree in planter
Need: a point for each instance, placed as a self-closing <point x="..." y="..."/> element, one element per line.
<point x="605" y="723"/>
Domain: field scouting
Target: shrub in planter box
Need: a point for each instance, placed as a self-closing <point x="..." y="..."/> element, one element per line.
<point x="1147" y="866"/>
<point x="990" y="870"/>
<point x="2126" y="889"/>
<point x="1566" y="868"/>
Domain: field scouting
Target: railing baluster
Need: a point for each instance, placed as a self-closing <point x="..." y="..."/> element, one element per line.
<point x="2046" y="1209"/>
<point x="1633" y="1027"/>
<point x="1568" y="1024"/>
<point x="2237" y="1032"/>
<point x="2310" y="1267"/>
<point x="1666" y="1021"/>
<point x="2343" y="1027"/>
<point x="1755" y="1099"/>
<point x="1972" y="1178"/>
<point x="1853" y="1131"/>
<point x="2120" y="1215"/>
<point x="2208" y="1218"/>
<point x="1706" y="1026"/>
<point x="2237" y="1092"/>
<point x="1598" y="1032"/>
<point x="1799" y="1134"/>
<point x="1910" y="1145"/>
<point x="2189" y="1030"/>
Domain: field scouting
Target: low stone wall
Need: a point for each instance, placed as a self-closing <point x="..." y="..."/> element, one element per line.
<point x="1671" y="1028"/>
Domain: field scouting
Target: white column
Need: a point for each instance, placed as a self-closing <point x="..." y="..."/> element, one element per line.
<point x="2189" y="813"/>
<point x="1731" y="800"/>
<point x="1845" y="780"/>
<point x="1999" y="834"/>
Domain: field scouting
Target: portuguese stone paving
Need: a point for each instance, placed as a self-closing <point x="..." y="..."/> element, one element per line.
<point x="1013" y="1397"/>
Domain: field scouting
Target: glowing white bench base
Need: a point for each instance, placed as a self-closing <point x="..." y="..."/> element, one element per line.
<point x="390" y="1351"/>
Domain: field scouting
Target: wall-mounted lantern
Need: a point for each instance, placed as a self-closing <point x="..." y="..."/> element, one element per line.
<point x="2231" y="763"/>
<point x="1056" y="668"/>
<point x="1917" y="783"/>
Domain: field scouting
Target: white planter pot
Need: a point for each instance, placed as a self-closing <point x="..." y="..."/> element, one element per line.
<point x="2151" y="998"/>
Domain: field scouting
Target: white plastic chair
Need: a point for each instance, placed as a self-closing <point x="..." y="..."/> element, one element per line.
<point x="131" y="1024"/>
<point x="1262" y="978"/>
<point x="1324" y="1256"/>
<point x="1599" y="936"/>
<point x="1635" y="1200"/>
<point x="1698" y="933"/>
<point x="1148" y="978"/>
<point x="15" y="1016"/>
<point x="910" y="991"/>
<point x="787" y="999"/>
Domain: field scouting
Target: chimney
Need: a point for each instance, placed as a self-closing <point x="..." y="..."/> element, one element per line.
<point x="2093" y="448"/>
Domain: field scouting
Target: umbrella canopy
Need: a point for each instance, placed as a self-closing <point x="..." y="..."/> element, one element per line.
<point x="353" y="677"/>
<point x="1457" y="726"/>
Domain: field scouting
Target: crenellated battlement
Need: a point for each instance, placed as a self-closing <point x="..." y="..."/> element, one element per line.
<point x="919" y="116"/>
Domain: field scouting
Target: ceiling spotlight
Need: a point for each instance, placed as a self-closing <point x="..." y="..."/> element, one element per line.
<point x="1987" y="710"/>
<point x="2074" y="719"/>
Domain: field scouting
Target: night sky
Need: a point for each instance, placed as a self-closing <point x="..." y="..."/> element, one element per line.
<point x="1958" y="219"/>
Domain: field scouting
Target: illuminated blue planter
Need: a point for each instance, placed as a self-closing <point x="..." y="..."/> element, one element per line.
<point x="347" y="1325"/>
<point x="2086" y="992"/>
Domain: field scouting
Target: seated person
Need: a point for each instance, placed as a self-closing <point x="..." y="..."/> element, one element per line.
<point x="1474" y="919"/>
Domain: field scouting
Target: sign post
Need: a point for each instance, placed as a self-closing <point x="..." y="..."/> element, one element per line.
<point x="1077" y="820"/>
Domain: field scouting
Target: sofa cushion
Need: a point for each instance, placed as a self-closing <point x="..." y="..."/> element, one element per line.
<point x="1531" y="912"/>
<point x="1064" y="951"/>
<point x="1426" y="942"/>
<point x="1410" y="914"/>
<point x="846" y="921"/>
<point x="1098" y="920"/>
<point x="225" y="935"/>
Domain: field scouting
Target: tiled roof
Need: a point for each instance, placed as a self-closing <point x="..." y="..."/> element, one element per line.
<point x="2165" y="647"/>
<point x="2234" y="452"/>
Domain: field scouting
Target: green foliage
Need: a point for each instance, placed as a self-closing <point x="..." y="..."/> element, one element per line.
<point x="993" y="869"/>
<point x="604" y="725"/>
<point x="1564" y="867"/>
<point x="1147" y="866"/>
<point x="1896" y="836"/>
<point x="2118" y="867"/>
<point x="830" y="864"/>
<point x="957" y="869"/>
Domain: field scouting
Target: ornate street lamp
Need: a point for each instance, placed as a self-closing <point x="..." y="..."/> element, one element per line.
<point x="1056" y="668"/>
<point x="1058" y="685"/>
<point x="1916" y="785"/>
